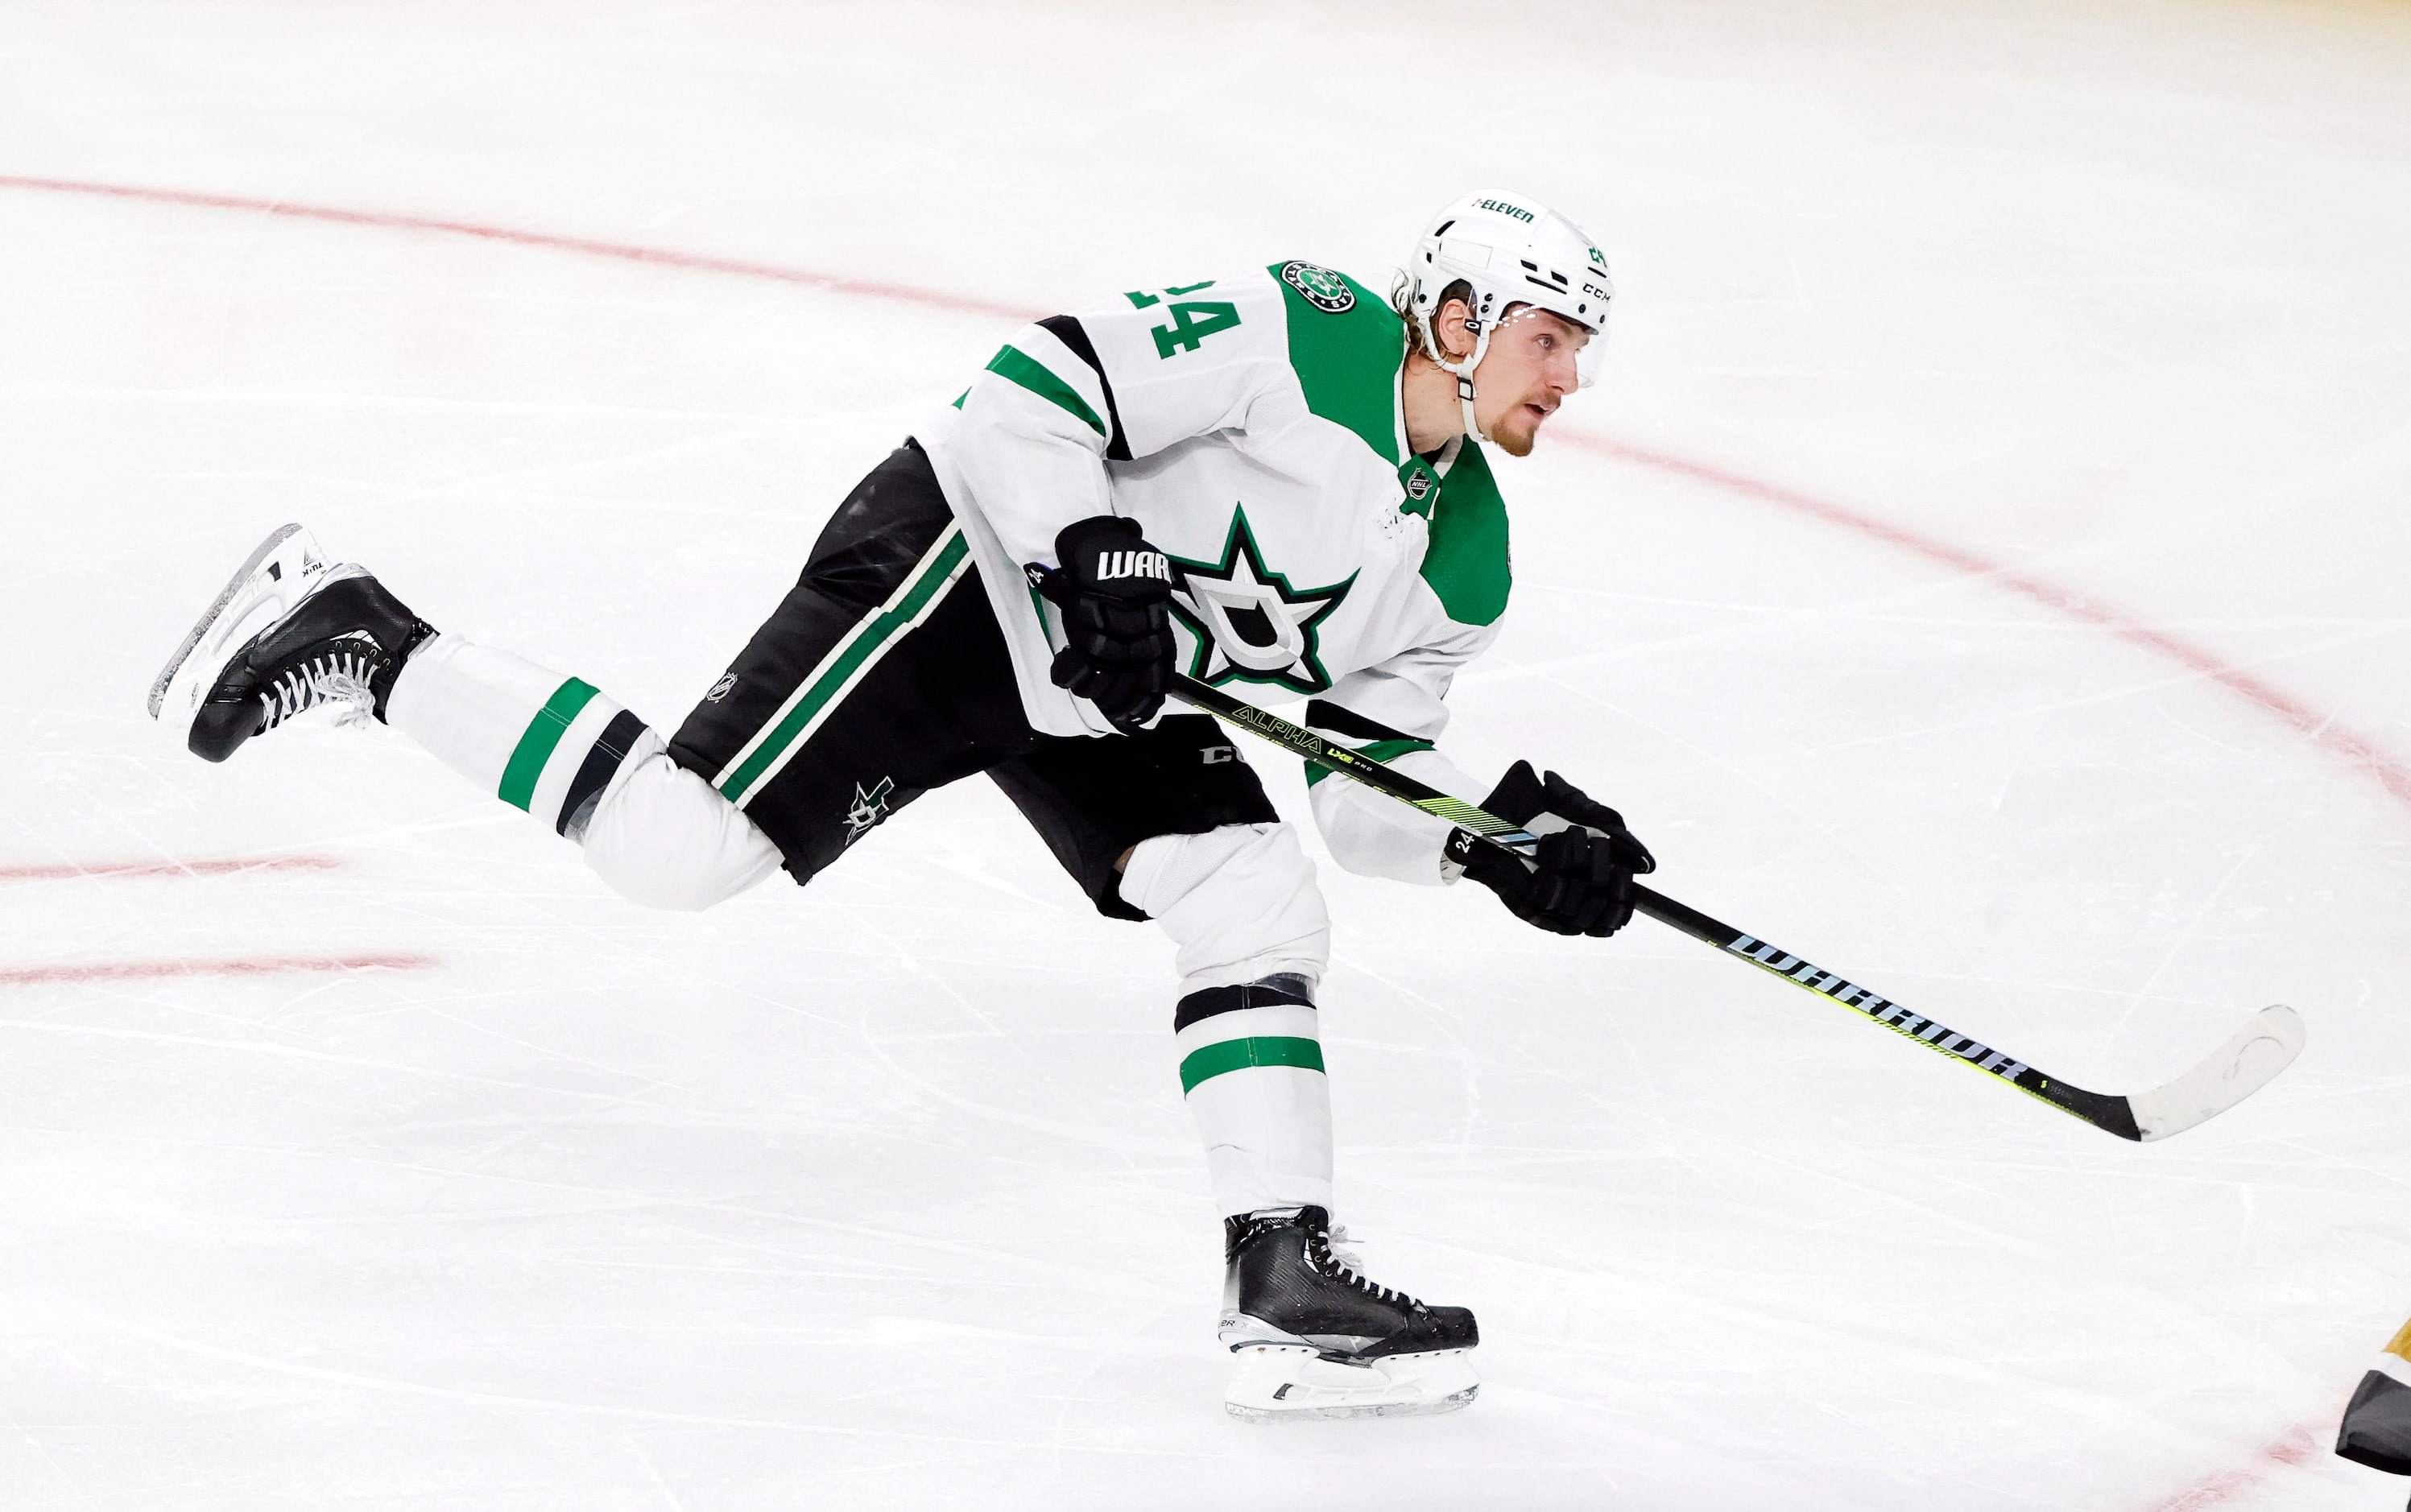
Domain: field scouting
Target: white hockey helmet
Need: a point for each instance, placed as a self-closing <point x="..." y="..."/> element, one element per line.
<point x="1512" y="250"/>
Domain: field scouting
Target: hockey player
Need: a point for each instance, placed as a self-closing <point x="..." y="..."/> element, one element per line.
<point x="1276" y="479"/>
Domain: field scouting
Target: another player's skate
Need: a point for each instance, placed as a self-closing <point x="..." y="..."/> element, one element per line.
<point x="289" y="634"/>
<point x="1315" y="1339"/>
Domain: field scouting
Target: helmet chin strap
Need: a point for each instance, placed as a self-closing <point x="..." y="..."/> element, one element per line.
<point x="1462" y="371"/>
<point x="1464" y="400"/>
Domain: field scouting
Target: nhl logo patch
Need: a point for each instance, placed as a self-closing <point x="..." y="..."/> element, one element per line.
<point x="1324" y="289"/>
<point x="722" y="688"/>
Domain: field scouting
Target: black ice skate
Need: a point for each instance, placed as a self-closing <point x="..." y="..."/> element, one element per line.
<point x="289" y="634"/>
<point x="1316" y="1339"/>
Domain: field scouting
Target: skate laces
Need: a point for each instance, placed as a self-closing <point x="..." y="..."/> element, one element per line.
<point x="334" y="675"/>
<point x="1333" y="1246"/>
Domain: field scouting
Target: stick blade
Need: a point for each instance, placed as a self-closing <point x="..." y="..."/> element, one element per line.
<point x="2267" y="1044"/>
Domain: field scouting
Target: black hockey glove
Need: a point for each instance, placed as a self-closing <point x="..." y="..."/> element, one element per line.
<point x="1581" y="880"/>
<point x="1116" y="594"/>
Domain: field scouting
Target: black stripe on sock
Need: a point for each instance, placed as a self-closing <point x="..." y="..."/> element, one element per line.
<point x="1322" y="713"/>
<point x="1069" y="331"/>
<point x="1281" y="987"/>
<point x="601" y="760"/>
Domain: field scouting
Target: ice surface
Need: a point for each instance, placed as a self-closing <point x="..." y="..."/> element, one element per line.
<point x="880" y="1194"/>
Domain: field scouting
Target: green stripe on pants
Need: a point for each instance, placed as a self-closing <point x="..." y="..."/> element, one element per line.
<point x="845" y="664"/>
<point x="1237" y="1055"/>
<point x="536" y="745"/>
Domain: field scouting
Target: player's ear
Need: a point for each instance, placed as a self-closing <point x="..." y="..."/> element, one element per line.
<point x="1448" y="329"/>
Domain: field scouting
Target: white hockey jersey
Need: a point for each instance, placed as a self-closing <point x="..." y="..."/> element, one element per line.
<point x="1254" y="427"/>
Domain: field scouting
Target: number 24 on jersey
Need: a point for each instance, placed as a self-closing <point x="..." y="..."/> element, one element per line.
<point x="1192" y="320"/>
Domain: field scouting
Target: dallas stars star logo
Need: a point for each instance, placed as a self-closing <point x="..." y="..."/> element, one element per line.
<point x="869" y="807"/>
<point x="1250" y="624"/>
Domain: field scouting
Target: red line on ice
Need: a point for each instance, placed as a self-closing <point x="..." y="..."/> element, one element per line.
<point x="2290" y="1448"/>
<point x="262" y="965"/>
<point x="2362" y="753"/>
<point x="2321" y="730"/>
<point x="221" y="867"/>
<point x="867" y="288"/>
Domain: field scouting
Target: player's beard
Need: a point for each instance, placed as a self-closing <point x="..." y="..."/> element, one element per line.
<point x="1513" y="441"/>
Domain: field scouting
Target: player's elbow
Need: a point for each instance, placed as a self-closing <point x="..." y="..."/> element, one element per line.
<point x="1390" y="841"/>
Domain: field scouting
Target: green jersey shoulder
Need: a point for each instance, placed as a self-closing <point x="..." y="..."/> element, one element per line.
<point x="1347" y="347"/>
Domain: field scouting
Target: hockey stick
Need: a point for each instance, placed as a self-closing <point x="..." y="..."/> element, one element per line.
<point x="2267" y="1043"/>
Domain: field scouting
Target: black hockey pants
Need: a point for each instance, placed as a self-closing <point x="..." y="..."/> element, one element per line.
<point x="883" y="675"/>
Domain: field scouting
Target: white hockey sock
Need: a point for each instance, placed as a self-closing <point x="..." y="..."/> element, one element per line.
<point x="1255" y="1086"/>
<point x="573" y="758"/>
<point x="1241" y="904"/>
<point x="536" y="740"/>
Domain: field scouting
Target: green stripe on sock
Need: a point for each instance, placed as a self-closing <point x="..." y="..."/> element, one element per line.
<point x="537" y="744"/>
<point x="1237" y="1055"/>
<point x="870" y="637"/>
<point x="1014" y="363"/>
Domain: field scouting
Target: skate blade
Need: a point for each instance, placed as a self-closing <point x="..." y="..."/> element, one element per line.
<point x="1278" y="1385"/>
<point x="271" y="580"/>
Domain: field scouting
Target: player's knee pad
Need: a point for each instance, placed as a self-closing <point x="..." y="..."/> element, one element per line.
<point x="1239" y="902"/>
<point x="662" y="836"/>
